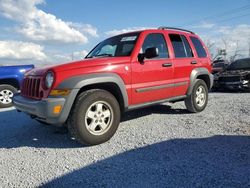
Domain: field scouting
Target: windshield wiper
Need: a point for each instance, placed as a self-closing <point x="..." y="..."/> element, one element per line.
<point x="104" y="55"/>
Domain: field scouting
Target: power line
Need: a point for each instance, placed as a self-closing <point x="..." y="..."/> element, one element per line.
<point x="232" y="18"/>
<point x="221" y="14"/>
<point x="228" y="51"/>
<point x="235" y="10"/>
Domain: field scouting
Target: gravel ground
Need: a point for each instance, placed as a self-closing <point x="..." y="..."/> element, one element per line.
<point x="160" y="146"/>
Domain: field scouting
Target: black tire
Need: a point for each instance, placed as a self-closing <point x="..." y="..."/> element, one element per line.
<point x="6" y="90"/>
<point x="191" y="104"/>
<point x="78" y="118"/>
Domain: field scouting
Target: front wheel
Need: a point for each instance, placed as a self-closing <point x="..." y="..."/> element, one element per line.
<point x="197" y="100"/>
<point x="95" y="117"/>
<point x="6" y="94"/>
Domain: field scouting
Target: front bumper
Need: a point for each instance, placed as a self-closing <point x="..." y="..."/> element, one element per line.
<point x="43" y="109"/>
<point x="232" y="85"/>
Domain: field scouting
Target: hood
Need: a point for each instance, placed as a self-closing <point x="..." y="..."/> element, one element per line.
<point x="37" y="71"/>
<point x="235" y="73"/>
<point x="91" y="62"/>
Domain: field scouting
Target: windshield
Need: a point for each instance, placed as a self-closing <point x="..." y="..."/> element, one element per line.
<point x="240" y="64"/>
<point x="118" y="46"/>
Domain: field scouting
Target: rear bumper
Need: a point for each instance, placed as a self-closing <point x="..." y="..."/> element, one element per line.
<point x="43" y="109"/>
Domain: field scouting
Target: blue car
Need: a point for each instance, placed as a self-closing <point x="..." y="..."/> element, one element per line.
<point x="10" y="82"/>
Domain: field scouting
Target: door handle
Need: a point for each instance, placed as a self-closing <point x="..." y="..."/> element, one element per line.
<point x="193" y="62"/>
<point x="167" y="64"/>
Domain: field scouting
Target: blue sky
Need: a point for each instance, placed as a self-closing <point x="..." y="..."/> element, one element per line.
<point x="45" y="32"/>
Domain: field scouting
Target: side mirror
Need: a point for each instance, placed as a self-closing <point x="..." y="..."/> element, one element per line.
<point x="149" y="54"/>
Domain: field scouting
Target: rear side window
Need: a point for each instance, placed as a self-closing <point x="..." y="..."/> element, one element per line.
<point x="181" y="46"/>
<point x="156" y="40"/>
<point x="189" y="52"/>
<point x="199" y="47"/>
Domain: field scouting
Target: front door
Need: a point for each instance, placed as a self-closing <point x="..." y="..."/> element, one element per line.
<point x="152" y="78"/>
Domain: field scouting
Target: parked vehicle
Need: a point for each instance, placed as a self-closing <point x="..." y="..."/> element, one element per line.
<point x="219" y="66"/>
<point x="10" y="81"/>
<point x="235" y="77"/>
<point x="122" y="73"/>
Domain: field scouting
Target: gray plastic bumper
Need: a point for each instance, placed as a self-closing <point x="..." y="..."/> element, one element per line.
<point x="43" y="109"/>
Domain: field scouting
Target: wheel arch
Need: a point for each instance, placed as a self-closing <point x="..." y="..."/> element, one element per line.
<point x="107" y="81"/>
<point x="111" y="87"/>
<point x="10" y="81"/>
<point x="200" y="73"/>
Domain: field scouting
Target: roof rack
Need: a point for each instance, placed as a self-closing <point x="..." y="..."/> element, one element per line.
<point x="174" y="28"/>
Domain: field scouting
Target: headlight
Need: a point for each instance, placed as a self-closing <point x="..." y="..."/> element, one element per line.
<point x="49" y="79"/>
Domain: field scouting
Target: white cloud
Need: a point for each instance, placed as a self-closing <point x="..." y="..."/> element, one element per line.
<point x="18" y="50"/>
<point x="38" y="25"/>
<point x="229" y="38"/>
<point x="85" y="28"/>
<point x="46" y="27"/>
<point x="204" y="25"/>
<point x="80" y="55"/>
<point x="19" y="10"/>
<point x="117" y="32"/>
<point x="240" y="32"/>
<point x="63" y="58"/>
<point x="89" y="29"/>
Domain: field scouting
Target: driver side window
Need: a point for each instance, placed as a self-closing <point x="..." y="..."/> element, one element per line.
<point x="156" y="40"/>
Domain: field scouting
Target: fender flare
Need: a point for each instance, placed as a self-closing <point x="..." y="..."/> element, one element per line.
<point x="198" y="72"/>
<point x="78" y="82"/>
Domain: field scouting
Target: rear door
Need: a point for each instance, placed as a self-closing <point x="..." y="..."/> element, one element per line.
<point x="184" y="62"/>
<point x="152" y="79"/>
<point x="201" y="52"/>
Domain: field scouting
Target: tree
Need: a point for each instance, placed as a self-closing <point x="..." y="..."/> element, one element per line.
<point x="225" y="42"/>
<point x="236" y="52"/>
<point x="209" y="44"/>
<point x="220" y="54"/>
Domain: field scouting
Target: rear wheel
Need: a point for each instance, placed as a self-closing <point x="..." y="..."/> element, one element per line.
<point x="95" y="117"/>
<point x="197" y="100"/>
<point x="6" y="94"/>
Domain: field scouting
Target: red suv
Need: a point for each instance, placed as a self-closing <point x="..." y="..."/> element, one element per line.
<point x="122" y="73"/>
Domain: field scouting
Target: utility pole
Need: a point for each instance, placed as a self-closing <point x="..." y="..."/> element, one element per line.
<point x="224" y="52"/>
<point x="249" y="48"/>
<point x="236" y="52"/>
<point x="248" y="45"/>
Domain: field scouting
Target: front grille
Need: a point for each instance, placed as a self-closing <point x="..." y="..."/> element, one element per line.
<point x="31" y="88"/>
<point x="229" y="79"/>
